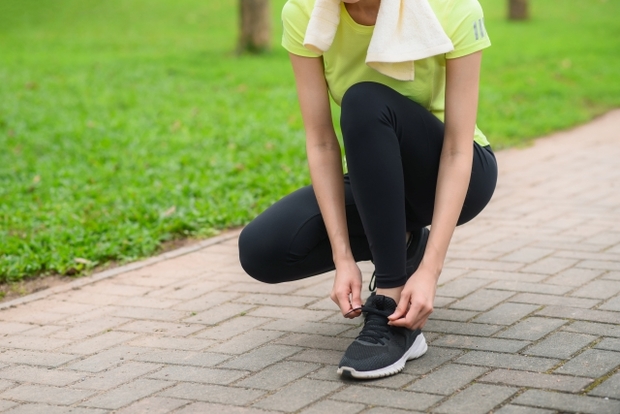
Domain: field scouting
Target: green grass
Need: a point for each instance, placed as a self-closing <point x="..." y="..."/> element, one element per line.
<point x="127" y="123"/>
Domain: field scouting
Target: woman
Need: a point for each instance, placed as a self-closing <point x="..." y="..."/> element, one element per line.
<point x="414" y="156"/>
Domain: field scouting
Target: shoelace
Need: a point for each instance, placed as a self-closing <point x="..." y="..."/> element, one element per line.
<point x="375" y="328"/>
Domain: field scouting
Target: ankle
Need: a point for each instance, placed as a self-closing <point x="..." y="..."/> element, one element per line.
<point x="393" y="293"/>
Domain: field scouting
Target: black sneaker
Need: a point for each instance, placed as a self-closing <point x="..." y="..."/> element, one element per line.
<point x="415" y="252"/>
<point x="380" y="349"/>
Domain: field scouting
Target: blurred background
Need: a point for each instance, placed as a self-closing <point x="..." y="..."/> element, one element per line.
<point x="128" y="125"/>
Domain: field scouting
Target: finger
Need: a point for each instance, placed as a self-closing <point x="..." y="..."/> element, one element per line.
<point x="402" y="308"/>
<point x="356" y="296"/>
<point x="343" y="302"/>
<point x="408" y="319"/>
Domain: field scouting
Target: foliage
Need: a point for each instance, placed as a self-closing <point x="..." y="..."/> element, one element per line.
<point x="127" y="123"/>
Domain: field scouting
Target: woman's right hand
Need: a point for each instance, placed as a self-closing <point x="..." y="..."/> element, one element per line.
<point x="347" y="290"/>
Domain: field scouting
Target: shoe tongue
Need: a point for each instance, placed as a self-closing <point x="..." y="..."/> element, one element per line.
<point x="383" y="303"/>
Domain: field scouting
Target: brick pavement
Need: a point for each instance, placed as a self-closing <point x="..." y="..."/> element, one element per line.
<point x="527" y="317"/>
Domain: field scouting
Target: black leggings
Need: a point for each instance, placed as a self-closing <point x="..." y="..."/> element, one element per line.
<point x="392" y="146"/>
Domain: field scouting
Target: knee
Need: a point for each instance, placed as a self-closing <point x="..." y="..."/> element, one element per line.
<point x="254" y="256"/>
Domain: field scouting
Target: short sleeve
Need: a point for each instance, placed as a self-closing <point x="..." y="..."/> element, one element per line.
<point x="295" y="18"/>
<point x="464" y="25"/>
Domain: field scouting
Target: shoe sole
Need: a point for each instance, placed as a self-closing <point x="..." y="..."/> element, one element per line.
<point x="416" y="350"/>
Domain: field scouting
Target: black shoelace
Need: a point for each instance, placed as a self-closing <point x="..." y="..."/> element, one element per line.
<point x="375" y="328"/>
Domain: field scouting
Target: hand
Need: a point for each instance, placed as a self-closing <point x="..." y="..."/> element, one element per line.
<point x="416" y="301"/>
<point x="347" y="289"/>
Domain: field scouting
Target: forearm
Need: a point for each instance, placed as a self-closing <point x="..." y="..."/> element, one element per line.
<point x="452" y="183"/>
<point x="325" y="163"/>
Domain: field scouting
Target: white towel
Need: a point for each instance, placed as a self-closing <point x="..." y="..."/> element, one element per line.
<point x="405" y="31"/>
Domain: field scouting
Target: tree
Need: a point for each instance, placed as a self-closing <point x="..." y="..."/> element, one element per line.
<point x="518" y="9"/>
<point x="254" y="26"/>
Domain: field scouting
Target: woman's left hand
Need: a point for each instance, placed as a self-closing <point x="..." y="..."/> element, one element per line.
<point x="416" y="301"/>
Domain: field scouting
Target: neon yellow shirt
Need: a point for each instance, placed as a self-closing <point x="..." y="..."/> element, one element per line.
<point x="345" y="61"/>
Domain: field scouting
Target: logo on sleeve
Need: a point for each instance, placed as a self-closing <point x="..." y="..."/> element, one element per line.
<point x="479" y="29"/>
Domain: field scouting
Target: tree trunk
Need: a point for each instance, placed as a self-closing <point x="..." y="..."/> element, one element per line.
<point x="517" y="9"/>
<point x="255" y="26"/>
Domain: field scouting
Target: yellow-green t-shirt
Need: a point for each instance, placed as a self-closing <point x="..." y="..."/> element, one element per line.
<point x="345" y="61"/>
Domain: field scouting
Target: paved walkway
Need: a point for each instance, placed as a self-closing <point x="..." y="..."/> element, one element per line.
<point x="527" y="317"/>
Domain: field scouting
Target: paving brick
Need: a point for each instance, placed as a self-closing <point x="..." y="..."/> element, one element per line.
<point x="610" y="388"/>
<point x="497" y="275"/>
<point x="460" y="328"/>
<point x="478" y="398"/>
<point x="5" y="405"/>
<point x="7" y="328"/>
<point x="186" y="344"/>
<point x="208" y="301"/>
<point x="41" y="332"/>
<point x="321" y="356"/>
<point x="612" y="305"/>
<point x="36" y="375"/>
<point x="601" y="329"/>
<point x="161" y="328"/>
<point x="579" y="314"/>
<point x="275" y="300"/>
<point x="591" y="363"/>
<point x="480" y="343"/>
<point x="551" y="300"/>
<point x="574" y="277"/>
<point x="598" y="289"/>
<point x="442" y="302"/>
<point x="291" y="313"/>
<point x="508" y="361"/>
<point x="153" y="314"/>
<point x="4" y="384"/>
<point x="106" y="287"/>
<point x="94" y="327"/>
<point x="213" y="393"/>
<point x="261" y="357"/>
<point x="127" y="394"/>
<point x="46" y="359"/>
<point x="452" y="315"/>
<point x="560" y="345"/>
<point x="45" y="394"/>
<point x="567" y="403"/>
<point x="482" y="300"/>
<point x="611" y="344"/>
<point x="232" y="327"/>
<point x="219" y="314"/>
<point x="26" y="342"/>
<point x="245" y="342"/>
<point x="316" y="341"/>
<point x="107" y="359"/>
<point x="99" y="343"/>
<point x="179" y="357"/>
<point x="517" y="409"/>
<point x="550" y="265"/>
<point x="298" y="395"/>
<point x="153" y="405"/>
<point x="447" y="379"/>
<point x="537" y="380"/>
<point x="50" y="304"/>
<point x="506" y="313"/>
<point x="395" y="382"/>
<point x="486" y="265"/>
<point x="520" y="286"/>
<point x="288" y="325"/>
<point x="114" y="377"/>
<point x="390" y="398"/>
<point x="532" y="328"/>
<point x="278" y="375"/>
<point x="461" y="287"/>
<point x="329" y="406"/>
<point x="599" y="264"/>
<point x="612" y="275"/>
<point x="52" y="409"/>
<point x="201" y="408"/>
<point x="527" y="255"/>
<point x="185" y="373"/>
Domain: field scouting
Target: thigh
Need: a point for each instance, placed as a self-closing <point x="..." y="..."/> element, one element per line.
<point x="289" y="241"/>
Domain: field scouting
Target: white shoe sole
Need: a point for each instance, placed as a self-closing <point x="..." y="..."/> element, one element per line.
<point x="416" y="350"/>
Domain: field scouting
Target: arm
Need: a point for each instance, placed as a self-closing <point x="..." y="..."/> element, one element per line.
<point x="462" y="83"/>
<point x="325" y="163"/>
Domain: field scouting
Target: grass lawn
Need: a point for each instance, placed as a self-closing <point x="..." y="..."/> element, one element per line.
<point x="128" y="123"/>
